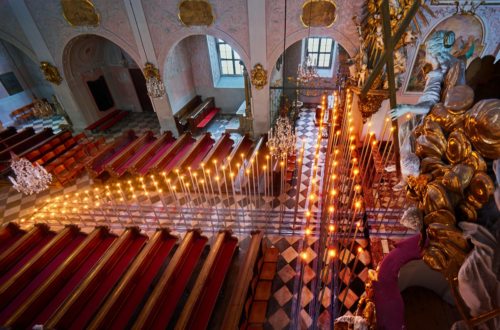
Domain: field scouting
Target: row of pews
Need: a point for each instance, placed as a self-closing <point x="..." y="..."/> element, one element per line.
<point x="131" y="155"/>
<point x="61" y="154"/>
<point x="106" y="122"/>
<point x="23" y="114"/>
<point x="99" y="280"/>
<point x="196" y="114"/>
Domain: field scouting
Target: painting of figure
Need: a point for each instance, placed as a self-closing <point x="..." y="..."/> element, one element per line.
<point x="468" y="43"/>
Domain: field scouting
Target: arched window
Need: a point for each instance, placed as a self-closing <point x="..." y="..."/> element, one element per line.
<point x="229" y="60"/>
<point x="320" y="51"/>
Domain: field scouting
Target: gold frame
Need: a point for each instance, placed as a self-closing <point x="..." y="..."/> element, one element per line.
<point x="80" y="13"/>
<point x="258" y="76"/>
<point x="189" y="24"/>
<point x="311" y="2"/>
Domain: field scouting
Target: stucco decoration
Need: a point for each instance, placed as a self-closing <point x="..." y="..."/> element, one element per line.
<point x="196" y="13"/>
<point x="469" y="35"/>
<point x="80" y="12"/>
<point x="51" y="73"/>
<point x="258" y="76"/>
<point x="318" y="13"/>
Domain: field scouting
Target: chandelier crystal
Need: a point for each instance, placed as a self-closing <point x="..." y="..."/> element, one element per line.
<point x="30" y="179"/>
<point x="42" y="108"/>
<point x="307" y="72"/>
<point x="281" y="139"/>
<point x="154" y="84"/>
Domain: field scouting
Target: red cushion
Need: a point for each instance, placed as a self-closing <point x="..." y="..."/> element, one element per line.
<point x="210" y="115"/>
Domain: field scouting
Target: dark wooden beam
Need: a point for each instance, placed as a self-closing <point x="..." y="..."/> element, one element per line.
<point x="389" y="52"/>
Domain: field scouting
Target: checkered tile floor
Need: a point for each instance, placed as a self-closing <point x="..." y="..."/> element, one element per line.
<point x="295" y="291"/>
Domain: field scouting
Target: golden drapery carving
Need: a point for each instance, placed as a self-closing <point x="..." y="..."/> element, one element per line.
<point x="371" y="103"/>
<point x="50" y="73"/>
<point x="259" y="76"/>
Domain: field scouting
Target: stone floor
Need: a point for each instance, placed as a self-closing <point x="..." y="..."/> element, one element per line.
<point x="296" y="291"/>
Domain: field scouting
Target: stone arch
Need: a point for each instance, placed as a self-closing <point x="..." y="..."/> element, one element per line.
<point x="174" y="38"/>
<point x="19" y="45"/>
<point x="75" y="49"/>
<point x="294" y="37"/>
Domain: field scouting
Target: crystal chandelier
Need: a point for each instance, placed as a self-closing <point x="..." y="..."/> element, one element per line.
<point x="282" y="139"/>
<point x="154" y="84"/>
<point x="30" y="179"/>
<point x="42" y="108"/>
<point x="306" y="72"/>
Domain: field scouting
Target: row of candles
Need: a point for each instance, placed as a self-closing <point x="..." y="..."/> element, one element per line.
<point x="189" y="193"/>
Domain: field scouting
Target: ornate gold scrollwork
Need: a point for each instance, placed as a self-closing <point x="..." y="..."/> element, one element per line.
<point x="258" y="76"/>
<point x="319" y="13"/>
<point x="150" y="71"/>
<point x="80" y="13"/>
<point x="51" y="73"/>
<point x="371" y="103"/>
<point x="196" y="13"/>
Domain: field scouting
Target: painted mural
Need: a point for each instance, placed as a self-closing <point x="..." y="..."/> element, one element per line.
<point x="469" y="36"/>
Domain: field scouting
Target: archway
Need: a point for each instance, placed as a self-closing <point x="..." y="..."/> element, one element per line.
<point x="21" y="81"/>
<point x="327" y="57"/>
<point x="103" y="76"/>
<point x="207" y="66"/>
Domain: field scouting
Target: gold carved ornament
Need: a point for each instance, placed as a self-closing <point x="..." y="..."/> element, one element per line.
<point x="51" y="73"/>
<point x="80" y="13"/>
<point x="318" y="13"/>
<point x="370" y="104"/>
<point x="453" y="184"/>
<point x="150" y="71"/>
<point x="258" y="76"/>
<point x="196" y="13"/>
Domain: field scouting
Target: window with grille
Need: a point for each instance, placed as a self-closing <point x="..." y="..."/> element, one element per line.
<point x="229" y="60"/>
<point x="320" y="51"/>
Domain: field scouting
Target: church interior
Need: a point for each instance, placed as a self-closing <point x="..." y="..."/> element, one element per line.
<point x="314" y="164"/>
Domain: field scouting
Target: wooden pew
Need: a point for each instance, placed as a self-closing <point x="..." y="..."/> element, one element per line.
<point x="113" y="121"/>
<point x="83" y="302"/>
<point x="120" y="164"/>
<point x="200" y="113"/>
<point x="239" y="153"/>
<point x="102" y="120"/>
<point x="117" y="310"/>
<point x="181" y="116"/>
<point x="12" y="255"/>
<point x="26" y="144"/>
<point x="95" y="166"/>
<point x="245" y="276"/>
<point x="168" y="161"/>
<point x="50" y="144"/>
<point x="9" y="233"/>
<point x="160" y="306"/>
<point x="16" y="138"/>
<point x="199" y="306"/>
<point x="7" y="132"/>
<point x="17" y="281"/>
<point x="195" y="155"/>
<point x="51" y="287"/>
<point x="156" y="150"/>
<point x="22" y="114"/>
<point x="220" y="150"/>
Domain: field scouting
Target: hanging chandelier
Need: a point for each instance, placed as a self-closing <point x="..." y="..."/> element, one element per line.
<point x="281" y="139"/>
<point x="307" y="72"/>
<point x="154" y="84"/>
<point x="42" y="108"/>
<point x="30" y="179"/>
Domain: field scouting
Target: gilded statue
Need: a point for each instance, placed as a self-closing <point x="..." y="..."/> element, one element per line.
<point x="51" y="73"/>
<point x="258" y="76"/>
<point x="80" y="12"/>
<point x="443" y="158"/>
<point x="196" y="13"/>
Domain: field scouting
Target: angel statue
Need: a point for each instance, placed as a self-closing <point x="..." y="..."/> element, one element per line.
<point x="439" y="61"/>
